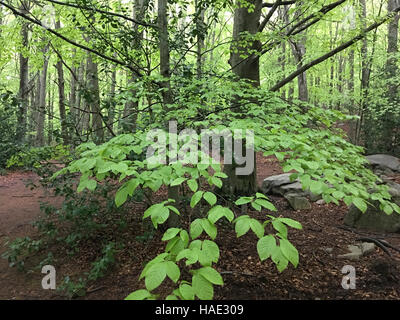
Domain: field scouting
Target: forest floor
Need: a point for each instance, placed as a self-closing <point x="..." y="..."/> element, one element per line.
<point x="318" y="275"/>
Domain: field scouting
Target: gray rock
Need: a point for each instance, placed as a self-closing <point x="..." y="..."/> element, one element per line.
<point x="328" y="250"/>
<point x="281" y="185"/>
<point x="298" y="202"/>
<point x="355" y="253"/>
<point x="293" y="188"/>
<point x="275" y="181"/>
<point x="321" y="202"/>
<point x="374" y="219"/>
<point x="367" y="248"/>
<point x="394" y="189"/>
<point x="384" y="162"/>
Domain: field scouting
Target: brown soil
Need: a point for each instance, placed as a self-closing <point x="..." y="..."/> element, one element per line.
<point x="318" y="275"/>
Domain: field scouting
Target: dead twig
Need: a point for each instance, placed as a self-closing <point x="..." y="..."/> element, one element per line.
<point x="94" y="290"/>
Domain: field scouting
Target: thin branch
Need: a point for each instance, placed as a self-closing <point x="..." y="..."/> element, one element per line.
<point x="281" y="3"/>
<point x="269" y="15"/>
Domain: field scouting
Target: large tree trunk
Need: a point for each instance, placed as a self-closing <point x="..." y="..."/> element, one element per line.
<point x="61" y="97"/>
<point x="94" y="103"/>
<point x="41" y="106"/>
<point x="23" y="84"/>
<point x="50" y="112"/>
<point x="173" y="192"/>
<point x="200" y="12"/>
<point x="365" y="73"/>
<point x="73" y="100"/>
<point x="248" y="69"/>
<point x="390" y="120"/>
<point x="299" y="51"/>
<point x="132" y="106"/>
<point x="111" y="107"/>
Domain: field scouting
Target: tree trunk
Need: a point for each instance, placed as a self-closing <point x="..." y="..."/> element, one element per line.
<point x="248" y="69"/>
<point x="41" y="107"/>
<point x="23" y="84"/>
<point x="200" y="28"/>
<point x="50" y="112"/>
<point x="299" y="51"/>
<point x="173" y="192"/>
<point x="94" y="101"/>
<point x="61" y="97"/>
<point x="132" y="106"/>
<point x="390" y="123"/>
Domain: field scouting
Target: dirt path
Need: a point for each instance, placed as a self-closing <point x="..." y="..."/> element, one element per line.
<point x="19" y="206"/>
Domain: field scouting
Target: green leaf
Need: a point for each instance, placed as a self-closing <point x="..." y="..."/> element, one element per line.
<point x="280" y="227"/>
<point x="155" y="276"/>
<point x="210" y="250"/>
<point x="196" y="229"/>
<point x="279" y="259"/>
<point x="170" y="233"/>
<point x="360" y="204"/>
<point x="184" y="237"/>
<point x="291" y="223"/>
<point x="132" y="185"/>
<point x="242" y="226"/>
<point x="202" y="287"/>
<point x="172" y="271"/>
<point x="187" y="291"/>
<point x="316" y="187"/>
<point x="215" y="214"/>
<point x="266" y="204"/>
<point x="210" y="198"/>
<point x="120" y="197"/>
<point x="138" y="295"/>
<point x="193" y="185"/>
<point x="388" y="209"/>
<point x="257" y="228"/>
<point x="190" y="255"/>
<point x="177" y="182"/>
<point x="256" y="206"/>
<point x="266" y="246"/>
<point x="196" y="198"/>
<point x="289" y="251"/>
<point x="209" y="228"/>
<point x="211" y="275"/>
<point x="244" y="200"/>
<point x="91" y="185"/>
<point x="216" y="181"/>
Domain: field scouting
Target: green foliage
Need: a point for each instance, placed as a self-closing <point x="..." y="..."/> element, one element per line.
<point x="73" y="289"/>
<point x="19" y="249"/>
<point x="8" y="145"/>
<point x="102" y="265"/>
<point x="35" y="158"/>
<point x="302" y="137"/>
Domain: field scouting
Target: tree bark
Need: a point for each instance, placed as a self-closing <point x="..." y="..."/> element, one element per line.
<point x="94" y="100"/>
<point x="61" y="97"/>
<point x="245" y="69"/>
<point x="41" y="106"/>
<point x="390" y="119"/>
<point x="23" y="82"/>
<point x="173" y="192"/>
